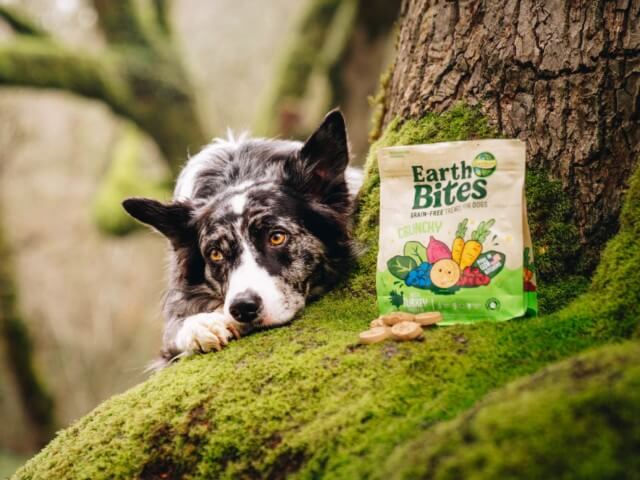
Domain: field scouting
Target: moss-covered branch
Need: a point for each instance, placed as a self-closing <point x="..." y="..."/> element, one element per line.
<point x="124" y="179"/>
<point x="577" y="419"/>
<point x="20" y="22"/>
<point x="120" y="22"/>
<point x="45" y="64"/>
<point x="307" y="401"/>
<point x="162" y="15"/>
<point x="36" y="400"/>
<point x="147" y="89"/>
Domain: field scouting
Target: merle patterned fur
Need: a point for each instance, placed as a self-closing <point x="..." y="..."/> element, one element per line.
<point x="230" y="198"/>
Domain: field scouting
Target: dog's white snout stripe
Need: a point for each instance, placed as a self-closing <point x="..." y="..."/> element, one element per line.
<point x="251" y="276"/>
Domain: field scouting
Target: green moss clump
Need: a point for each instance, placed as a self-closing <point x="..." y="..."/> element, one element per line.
<point x="307" y="401"/>
<point x="557" y="239"/>
<point x="555" y="295"/>
<point x="556" y="243"/>
<point x="378" y="105"/>
<point x="577" y="419"/>
<point x="123" y="179"/>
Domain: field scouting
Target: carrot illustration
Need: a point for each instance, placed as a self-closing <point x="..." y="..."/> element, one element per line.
<point x="473" y="248"/>
<point x="458" y="243"/>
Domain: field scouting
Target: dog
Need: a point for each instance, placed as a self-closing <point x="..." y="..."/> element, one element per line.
<point x="257" y="228"/>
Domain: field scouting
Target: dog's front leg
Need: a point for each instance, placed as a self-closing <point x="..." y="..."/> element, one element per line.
<point x="205" y="332"/>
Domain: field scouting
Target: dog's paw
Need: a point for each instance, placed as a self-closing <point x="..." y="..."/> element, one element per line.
<point x="205" y="332"/>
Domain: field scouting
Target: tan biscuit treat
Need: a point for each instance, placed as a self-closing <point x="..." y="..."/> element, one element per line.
<point x="397" y="317"/>
<point x="376" y="323"/>
<point x="375" y="335"/>
<point x="406" y="331"/>
<point x="428" y="318"/>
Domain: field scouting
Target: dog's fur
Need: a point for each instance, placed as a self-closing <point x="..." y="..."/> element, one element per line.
<point x="229" y="202"/>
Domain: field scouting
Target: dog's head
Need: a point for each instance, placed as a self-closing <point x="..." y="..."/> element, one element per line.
<point x="266" y="227"/>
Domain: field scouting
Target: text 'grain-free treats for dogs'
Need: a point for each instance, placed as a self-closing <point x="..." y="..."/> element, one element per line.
<point x="454" y="235"/>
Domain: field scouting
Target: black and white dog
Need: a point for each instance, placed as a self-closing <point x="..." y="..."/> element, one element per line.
<point x="257" y="228"/>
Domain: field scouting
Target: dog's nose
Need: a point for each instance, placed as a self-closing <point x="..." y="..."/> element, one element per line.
<point x="245" y="307"/>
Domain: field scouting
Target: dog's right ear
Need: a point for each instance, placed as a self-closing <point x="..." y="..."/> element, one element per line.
<point x="173" y="219"/>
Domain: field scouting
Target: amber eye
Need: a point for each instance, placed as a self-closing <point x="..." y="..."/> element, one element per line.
<point x="277" y="238"/>
<point x="216" y="255"/>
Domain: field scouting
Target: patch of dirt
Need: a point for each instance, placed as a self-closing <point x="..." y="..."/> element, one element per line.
<point x="161" y="469"/>
<point x="287" y="463"/>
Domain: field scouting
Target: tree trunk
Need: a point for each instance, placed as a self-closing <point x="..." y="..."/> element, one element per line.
<point x="562" y="75"/>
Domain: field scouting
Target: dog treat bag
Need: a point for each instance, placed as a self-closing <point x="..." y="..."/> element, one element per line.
<point x="454" y="235"/>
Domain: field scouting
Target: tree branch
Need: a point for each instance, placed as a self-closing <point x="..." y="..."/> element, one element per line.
<point x="120" y="21"/>
<point x="21" y="23"/>
<point x="140" y="86"/>
<point x="162" y="15"/>
<point x="45" y="64"/>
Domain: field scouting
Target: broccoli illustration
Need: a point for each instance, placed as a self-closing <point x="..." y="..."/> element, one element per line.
<point x="396" y="298"/>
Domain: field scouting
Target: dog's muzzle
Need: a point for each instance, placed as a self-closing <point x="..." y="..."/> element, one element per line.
<point x="246" y="306"/>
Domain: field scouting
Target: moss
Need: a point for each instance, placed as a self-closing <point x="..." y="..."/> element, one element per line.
<point x="576" y="419"/>
<point x="46" y="64"/>
<point x="121" y="22"/>
<point x="556" y="243"/>
<point x="378" y="105"/>
<point x="555" y="295"/>
<point x="557" y="239"/>
<point x="308" y="401"/>
<point x="124" y="179"/>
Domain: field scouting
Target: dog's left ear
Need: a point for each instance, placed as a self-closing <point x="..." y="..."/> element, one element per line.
<point x="326" y="152"/>
<point x="173" y="219"/>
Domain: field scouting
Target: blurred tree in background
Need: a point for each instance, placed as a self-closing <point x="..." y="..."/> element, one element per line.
<point x="136" y="64"/>
<point x="139" y="74"/>
<point x="335" y="57"/>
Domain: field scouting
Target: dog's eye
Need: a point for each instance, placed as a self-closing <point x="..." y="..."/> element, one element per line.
<point x="277" y="238"/>
<point x="216" y="255"/>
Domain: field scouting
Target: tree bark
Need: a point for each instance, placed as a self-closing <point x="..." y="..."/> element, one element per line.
<point x="562" y="75"/>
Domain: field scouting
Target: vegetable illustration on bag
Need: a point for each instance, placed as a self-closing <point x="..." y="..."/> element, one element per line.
<point x="444" y="271"/>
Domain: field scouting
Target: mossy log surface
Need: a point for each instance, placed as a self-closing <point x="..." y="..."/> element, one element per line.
<point x="307" y="401"/>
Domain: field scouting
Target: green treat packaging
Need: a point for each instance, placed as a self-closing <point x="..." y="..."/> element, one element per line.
<point x="454" y="235"/>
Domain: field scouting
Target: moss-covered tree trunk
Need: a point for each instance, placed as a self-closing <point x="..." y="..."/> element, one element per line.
<point x="562" y="75"/>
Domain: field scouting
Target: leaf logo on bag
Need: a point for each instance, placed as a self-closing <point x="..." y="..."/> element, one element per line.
<point x="453" y="231"/>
